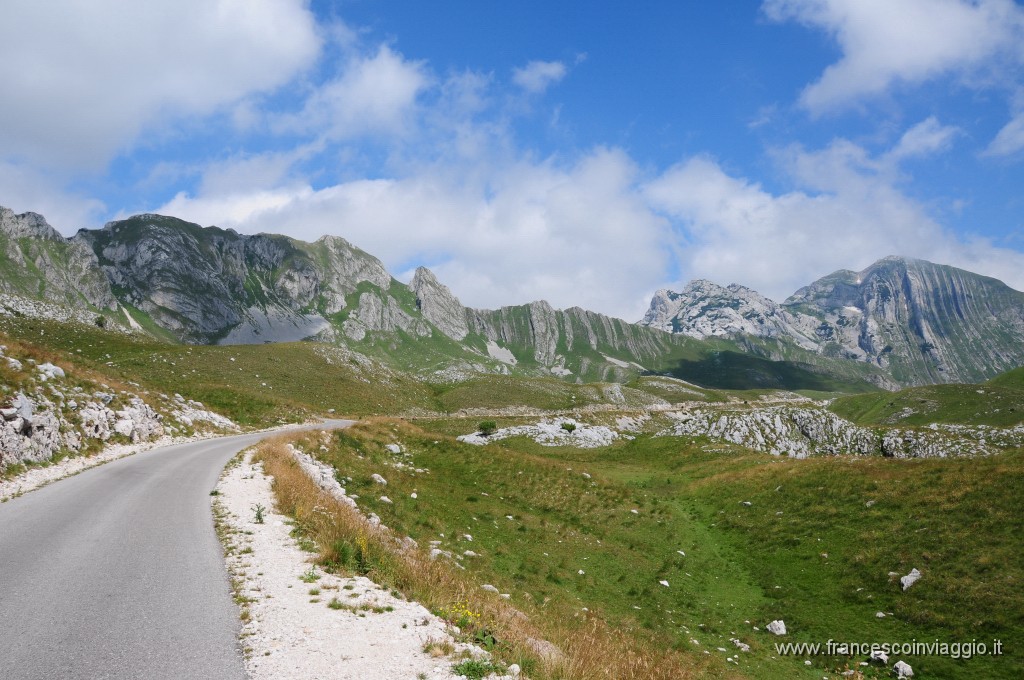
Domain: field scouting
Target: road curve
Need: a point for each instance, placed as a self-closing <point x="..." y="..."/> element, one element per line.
<point x="117" y="572"/>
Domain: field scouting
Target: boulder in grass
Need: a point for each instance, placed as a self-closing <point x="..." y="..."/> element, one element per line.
<point x="903" y="670"/>
<point x="910" y="579"/>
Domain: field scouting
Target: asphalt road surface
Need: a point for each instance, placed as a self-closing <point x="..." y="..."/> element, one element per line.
<point x="117" y="572"/>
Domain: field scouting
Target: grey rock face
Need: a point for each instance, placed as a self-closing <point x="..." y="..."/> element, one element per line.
<point x="438" y="306"/>
<point x="704" y="309"/>
<point x="43" y="264"/>
<point x="921" y="322"/>
<point x="924" y="322"/>
<point x="203" y="283"/>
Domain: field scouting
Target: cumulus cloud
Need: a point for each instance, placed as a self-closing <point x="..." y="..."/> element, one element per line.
<point x="886" y="43"/>
<point x="848" y="214"/>
<point x="573" y="234"/>
<point x="538" y="76"/>
<point x="84" y="80"/>
<point x="374" y="94"/>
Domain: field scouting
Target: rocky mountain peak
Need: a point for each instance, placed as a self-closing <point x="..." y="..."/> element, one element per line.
<point x="704" y="309"/>
<point x="29" y="224"/>
<point x="921" y="322"/>
<point x="438" y="305"/>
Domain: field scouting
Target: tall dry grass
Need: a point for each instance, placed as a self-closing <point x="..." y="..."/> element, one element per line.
<point x="548" y="645"/>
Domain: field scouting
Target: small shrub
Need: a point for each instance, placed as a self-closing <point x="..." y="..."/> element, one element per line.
<point x="476" y="669"/>
<point x="488" y="427"/>
<point x="258" y="510"/>
<point x="569" y="427"/>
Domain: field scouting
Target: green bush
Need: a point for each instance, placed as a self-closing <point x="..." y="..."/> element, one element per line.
<point x="488" y="427"/>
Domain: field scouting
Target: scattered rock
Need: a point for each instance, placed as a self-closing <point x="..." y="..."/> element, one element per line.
<point x="489" y="588"/>
<point x="903" y="670"/>
<point x="380" y="480"/>
<point x="49" y="371"/>
<point x="910" y="579"/>
<point x="777" y="627"/>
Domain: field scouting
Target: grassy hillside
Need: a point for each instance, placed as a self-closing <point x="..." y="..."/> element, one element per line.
<point x="252" y="384"/>
<point x="999" y="402"/>
<point x="815" y="547"/>
<point x="270" y="383"/>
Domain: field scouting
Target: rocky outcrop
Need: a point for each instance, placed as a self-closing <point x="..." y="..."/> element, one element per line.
<point x="48" y="413"/>
<point x="805" y="431"/>
<point x="375" y="312"/>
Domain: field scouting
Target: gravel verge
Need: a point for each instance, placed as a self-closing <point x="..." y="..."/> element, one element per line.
<point x="290" y="630"/>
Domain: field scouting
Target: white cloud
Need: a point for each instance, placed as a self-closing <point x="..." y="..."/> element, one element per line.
<point x="575" y="234"/>
<point x="538" y="76"/>
<point x="1010" y="139"/>
<point x="927" y="137"/>
<point x="885" y="43"/>
<point x="374" y="94"/>
<point x="84" y="80"/>
<point x="851" y="214"/>
<point x="25" y="190"/>
<point x="595" y="232"/>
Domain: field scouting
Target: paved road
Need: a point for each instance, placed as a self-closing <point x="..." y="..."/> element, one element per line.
<point x="117" y="572"/>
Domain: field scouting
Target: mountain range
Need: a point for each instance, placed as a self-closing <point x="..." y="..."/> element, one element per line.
<point x="898" y="322"/>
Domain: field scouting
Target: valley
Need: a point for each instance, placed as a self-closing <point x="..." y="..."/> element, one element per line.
<point x="662" y="491"/>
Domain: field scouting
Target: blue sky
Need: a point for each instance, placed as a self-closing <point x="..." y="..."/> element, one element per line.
<point x="584" y="153"/>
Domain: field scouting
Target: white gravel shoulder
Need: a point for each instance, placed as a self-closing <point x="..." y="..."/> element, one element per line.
<point x="35" y="477"/>
<point x="293" y="634"/>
